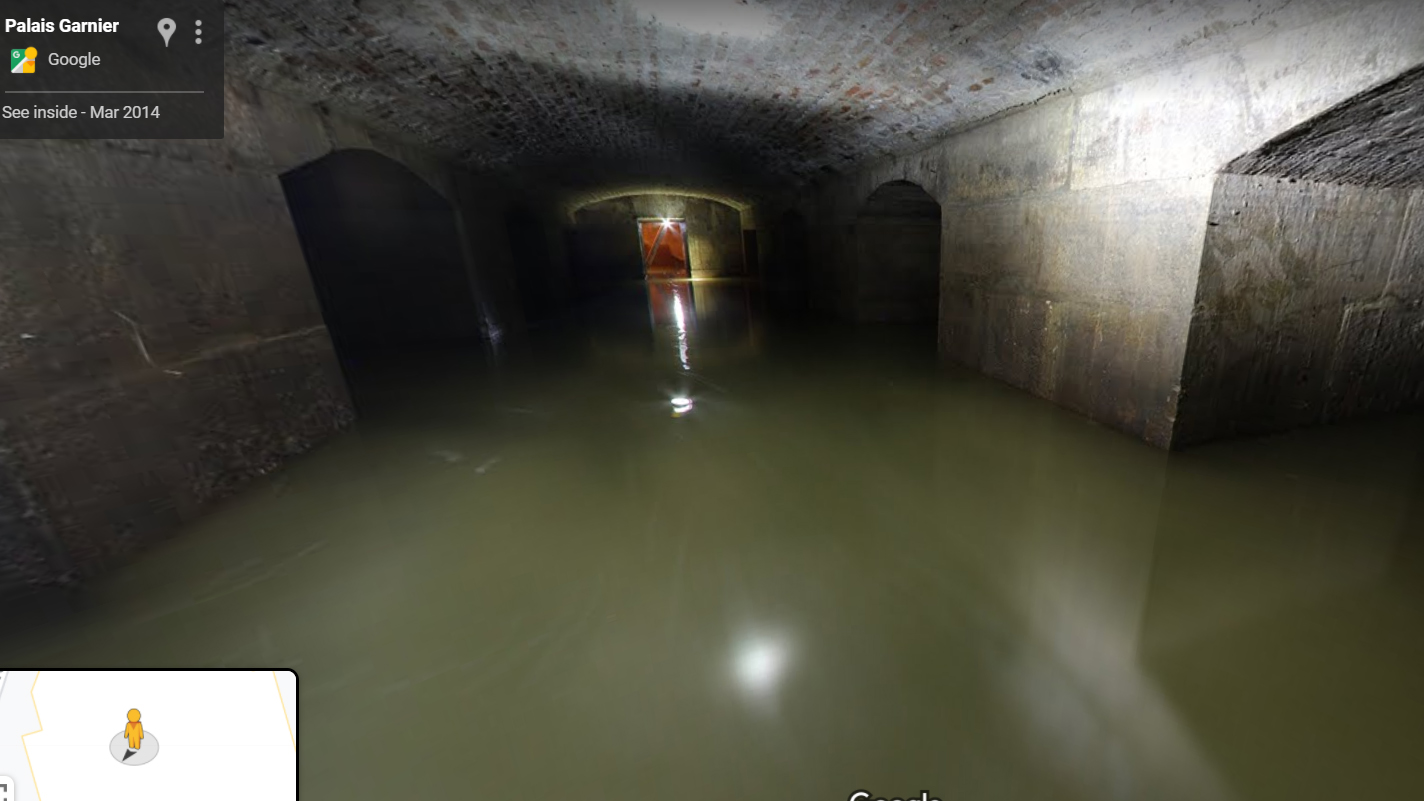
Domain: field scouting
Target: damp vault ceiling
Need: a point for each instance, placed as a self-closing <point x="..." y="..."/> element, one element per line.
<point x="761" y="94"/>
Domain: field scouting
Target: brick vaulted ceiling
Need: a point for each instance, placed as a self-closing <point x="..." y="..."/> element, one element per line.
<point x="756" y="93"/>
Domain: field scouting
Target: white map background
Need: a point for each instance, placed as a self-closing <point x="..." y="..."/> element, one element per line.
<point x="223" y="734"/>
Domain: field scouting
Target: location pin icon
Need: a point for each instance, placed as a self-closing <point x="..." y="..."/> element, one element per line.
<point x="166" y="27"/>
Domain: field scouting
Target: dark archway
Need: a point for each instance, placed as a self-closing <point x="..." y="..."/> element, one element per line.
<point x="897" y="257"/>
<point x="384" y="252"/>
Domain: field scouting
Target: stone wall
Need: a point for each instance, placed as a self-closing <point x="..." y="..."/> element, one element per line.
<point x="1309" y="304"/>
<point x="1309" y="308"/>
<point x="1073" y="228"/>
<point x="1077" y="290"/>
<point x="162" y="342"/>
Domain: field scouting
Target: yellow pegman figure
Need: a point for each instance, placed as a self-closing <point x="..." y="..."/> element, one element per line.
<point x="134" y="731"/>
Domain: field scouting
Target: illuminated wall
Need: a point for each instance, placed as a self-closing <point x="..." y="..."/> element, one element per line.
<point x="1073" y="230"/>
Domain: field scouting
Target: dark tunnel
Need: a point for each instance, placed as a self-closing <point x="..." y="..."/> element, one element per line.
<point x="942" y="400"/>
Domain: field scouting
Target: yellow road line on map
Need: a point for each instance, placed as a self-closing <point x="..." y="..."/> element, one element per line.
<point x="26" y="745"/>
<point x="284" y="711"/>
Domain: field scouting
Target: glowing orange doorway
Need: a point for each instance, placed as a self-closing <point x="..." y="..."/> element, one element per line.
<point x="664" y="248"/>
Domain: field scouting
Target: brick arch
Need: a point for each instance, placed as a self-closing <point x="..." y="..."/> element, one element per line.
<point x="574" y="202"/>
<point x="900" y="198"/>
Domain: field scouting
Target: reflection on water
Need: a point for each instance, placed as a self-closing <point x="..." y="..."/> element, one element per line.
<point x="681" y="332"/>
<point x="841" y="566"/>
<point x="666" y="303"/>
<point x="713" y="318"/>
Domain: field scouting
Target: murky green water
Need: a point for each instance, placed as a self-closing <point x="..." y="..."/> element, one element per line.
<point x="843" y="567"/>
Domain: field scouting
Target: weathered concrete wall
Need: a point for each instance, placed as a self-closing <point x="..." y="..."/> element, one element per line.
<point x="1074" y="228"/>
<point x="607" y="237"/>
<point x="1309" y="308"/>
<point x="162" y="342"/>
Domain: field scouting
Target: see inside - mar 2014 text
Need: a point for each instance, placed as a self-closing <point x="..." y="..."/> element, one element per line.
<point x="68" y="112"/>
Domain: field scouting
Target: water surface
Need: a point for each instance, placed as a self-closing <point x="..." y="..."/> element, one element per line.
<point x="675" y="549"/>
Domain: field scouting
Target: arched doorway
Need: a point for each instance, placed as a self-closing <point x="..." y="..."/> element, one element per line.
<point x="897" y="256"/>
<point x="384" y="253"/>
<point x="664" y="246"/>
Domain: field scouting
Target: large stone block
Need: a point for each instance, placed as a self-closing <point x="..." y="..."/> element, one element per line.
<point x="1303" y="313"/>
<point x="1137" y="245"/>
<point x="960" y="320"/>
<point x="1115" y="364"/>
<point x="1003" y="240"/>
<point x="1279" y="244"/>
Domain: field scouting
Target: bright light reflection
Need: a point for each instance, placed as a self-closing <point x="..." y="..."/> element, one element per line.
<point x="681" y="332"/>
<point x="760" y="664"/>
<point x="681" y="405"/>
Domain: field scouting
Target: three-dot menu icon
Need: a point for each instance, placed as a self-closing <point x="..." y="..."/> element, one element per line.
<point x="166" y="28"/>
